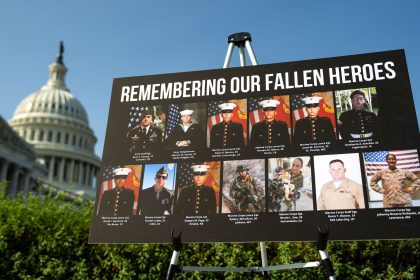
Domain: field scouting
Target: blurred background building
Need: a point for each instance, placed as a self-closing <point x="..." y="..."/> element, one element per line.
<point x="53" y="139"/>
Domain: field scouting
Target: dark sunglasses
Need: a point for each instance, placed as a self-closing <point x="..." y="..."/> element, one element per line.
<point x="161" y="177"/>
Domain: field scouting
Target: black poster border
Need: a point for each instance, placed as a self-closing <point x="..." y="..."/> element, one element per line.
<point x="400" y="131"/>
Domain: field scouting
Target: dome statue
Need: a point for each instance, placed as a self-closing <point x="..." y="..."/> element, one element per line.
<point x="57" y="125"/>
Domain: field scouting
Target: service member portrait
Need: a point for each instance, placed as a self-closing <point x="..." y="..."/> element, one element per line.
<point x="396" y="181"/>
<point x="243" y="186"/>
<point x="186" y="126"/>
<point x="226" y="122"/>
<point x="357" y="117"/>
<point x="268" y="128"/>
<point x="195" y="198"/>
<point x="290" y="184"/>
<point x="314" y="117"/>
<point x="145" y="130"/>
<point x="338" y="182"/>
<point x="118" y="200"/>
<point x="156" y="196"/>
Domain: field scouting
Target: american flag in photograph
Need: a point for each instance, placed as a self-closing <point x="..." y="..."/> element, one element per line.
<point x="107" y="182"/>
<point x="406" y="159"/>
<point x="255" y="114"/>
<point x="184" y="176"/>
<point x="326" y="106"/>
<point x="134" y="116"/>
<point x="173" y="118"/>
<point x="299" y="111"/>
<point x="107" y="178"/>
<point x="215" y="115"/>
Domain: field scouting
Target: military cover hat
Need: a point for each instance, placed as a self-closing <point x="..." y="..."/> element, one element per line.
<point x="200" y="169"/>
<point x="311" y="101"/>
<point x="162" y="170"/>
<point x="186" y="112"/>
<point x="145" y="113"/>
<point x="269" y="104"/>
<point x="241" y="168"/>
<point x="121" y="173"/>
<point x="227" y="107"/>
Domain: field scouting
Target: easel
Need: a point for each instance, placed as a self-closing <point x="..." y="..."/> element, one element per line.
<point x="243" y="40"/>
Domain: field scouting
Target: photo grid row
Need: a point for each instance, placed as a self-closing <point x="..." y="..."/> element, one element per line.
<point x="378" y="179"/>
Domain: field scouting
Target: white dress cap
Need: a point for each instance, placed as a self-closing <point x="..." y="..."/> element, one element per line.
<point x="269" y="103"/>
<point x="227" y="107"/>
<point x="121" y="171"/>
<point x="311" y="100"/>
<point x="200" y="168"/>
<point x="186" y="112"/>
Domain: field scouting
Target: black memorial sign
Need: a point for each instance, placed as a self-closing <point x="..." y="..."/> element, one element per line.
<point x="262" y="153"/>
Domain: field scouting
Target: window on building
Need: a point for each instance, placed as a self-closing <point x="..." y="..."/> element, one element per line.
<point x="58" y="137"/>
<point x="41" y="136"/>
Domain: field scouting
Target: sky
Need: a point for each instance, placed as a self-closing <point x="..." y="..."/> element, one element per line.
<point x="109" y="39"/>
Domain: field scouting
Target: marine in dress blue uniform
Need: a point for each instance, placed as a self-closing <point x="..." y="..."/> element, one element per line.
<point x="313" y="128"/>
<point x="227" y="134"/>
<point x="358" y="123"/>
<point x="118" y="201"/>
<point x="269" y="132"/>
<point x="197" y="199"/>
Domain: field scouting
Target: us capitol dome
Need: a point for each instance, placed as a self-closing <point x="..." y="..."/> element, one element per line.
<point x="57" y="125"/>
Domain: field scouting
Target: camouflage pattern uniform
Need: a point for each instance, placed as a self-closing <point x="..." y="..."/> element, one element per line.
<point x="246" y="194"/>
<point x="393" y="185"/>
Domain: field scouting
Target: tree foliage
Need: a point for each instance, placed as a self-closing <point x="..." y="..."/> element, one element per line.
<point x="46" y="238"/>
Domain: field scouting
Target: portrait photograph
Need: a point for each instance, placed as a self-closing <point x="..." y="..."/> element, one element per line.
<point x="393" y="178"/>
<point x="338" y="182"/>
<point x="357" y="111"/>
<point x="186" y="126"/>
<point x="197" y="188"/>
<point x="227" y="124"/>
<point x="269" y="121"/>
<point x="146" y="128"/>
<point x="243" y="186"/>
<point x="119" y="190"/>
<point x="158" y="188"/>
<point x="313" y="118"/>
<point x="290" y="184"/>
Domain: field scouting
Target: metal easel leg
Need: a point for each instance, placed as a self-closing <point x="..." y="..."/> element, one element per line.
<point x="173" y="266"/>
<point x="228" y="55"/>
<point x="321" y="245"/>
<point x="243" y="40"/>
<point x="264" y="261"/>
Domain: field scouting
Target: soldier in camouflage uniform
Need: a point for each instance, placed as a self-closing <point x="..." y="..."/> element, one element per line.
<point x="246" y="192"/>
<point x="394" y="189"/>
<point x="296" y="179"/>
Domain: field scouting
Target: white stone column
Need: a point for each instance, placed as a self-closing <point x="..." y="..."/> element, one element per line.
<point x="51" y="171"/>
<point x="4" y="168"/>
<point x="71" y="172"/>
<point x="92" y="172"/>
<point x="61" y="169"/>
<point x="79" y="180"/>
<point x="37" y="131"/>
<point x="14" y="181"/>
<point x="26" y="182"/>
<point x="89" y="174"/>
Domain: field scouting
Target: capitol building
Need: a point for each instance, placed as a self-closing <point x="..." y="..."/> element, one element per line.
<point x="56" y="125"/>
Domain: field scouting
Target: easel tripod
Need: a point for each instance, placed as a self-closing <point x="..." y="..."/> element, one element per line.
<point x="243" y="40"/>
